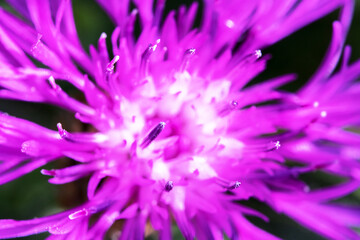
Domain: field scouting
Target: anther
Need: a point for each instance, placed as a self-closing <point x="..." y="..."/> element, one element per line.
<point x="252" y="56"/>
<point x="51" y="172"/>
<point x="81" y="138"/>
<point x="229" y="185"/>
<point x="78" y="214"/>
<point x="234" y="104"/>
<point x="152" y="135"/>
<point x="82" y="213"/>
<point x="190" y="51"/>
<point x="53" y="85"/>
<point x="146" y="55"/>
<point x="230" y="23"/>
<point x="62" y="132"/>
<point x="169" y="186"/>
<point x="187" y="55"/>
<point x="111" y="64"/>
<point x="258" y="54"/>
<point x="274" y="146"/>
<point x="235" y="185"/>
<point x="262" y="147"/>
<point x="51" y="81"/>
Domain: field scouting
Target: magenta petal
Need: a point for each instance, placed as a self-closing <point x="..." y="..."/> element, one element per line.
<point x="12" y="228"/>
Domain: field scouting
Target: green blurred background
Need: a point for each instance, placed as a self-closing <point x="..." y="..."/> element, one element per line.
<point x="32" y="196"/>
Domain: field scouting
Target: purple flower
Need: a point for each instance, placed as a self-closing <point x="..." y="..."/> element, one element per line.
<point x="179" y="138"/>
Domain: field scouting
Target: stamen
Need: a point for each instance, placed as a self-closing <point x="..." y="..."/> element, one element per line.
<point x="103" y="36"/>
<point x="252" y="57"/>
<point x="89" y="138"/>
<point x="277" y="145"/>
<point x="82" y="213"/>
<point x="229" y="185"/>
<point x="274" y="146"/>
<point x="190" y="51"/>
<point x="146" y="55"/>
<point x="111" y="64"/>
<point x="169" y="186"/>
<point x="63" y="133"/>
<point x="265" y="147"/>
<point x="152" y="135"/>
<point x="82" y="118"/>
<point x="78" y="214"/>
<point x="129" y="26"/>
<point x="258" y="54"/>
<point x="233" y="105"/>
<point x="235" y="185"/>
<point x="46" y="172"/>
<point x="187" y="55"/>
<point x="51" y="81"/>
<point x="54" y="86"/>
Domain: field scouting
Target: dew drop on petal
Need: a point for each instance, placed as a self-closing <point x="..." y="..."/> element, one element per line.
<point x="31" y="148"/>
<point x="62" y="228"/>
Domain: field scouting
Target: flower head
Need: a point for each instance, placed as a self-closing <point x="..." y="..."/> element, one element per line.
<point x="179" y="137"/>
